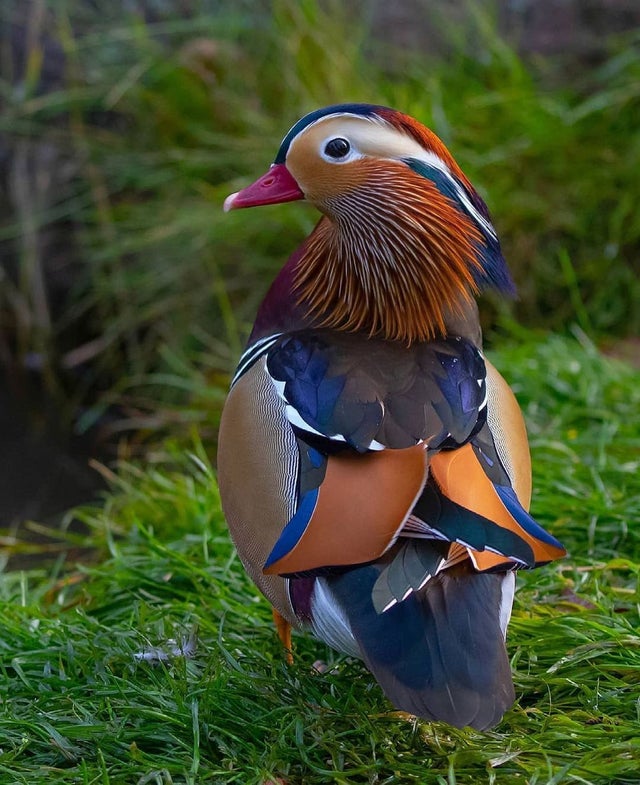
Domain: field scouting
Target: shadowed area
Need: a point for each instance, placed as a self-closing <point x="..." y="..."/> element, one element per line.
<point x="42" y="475"/>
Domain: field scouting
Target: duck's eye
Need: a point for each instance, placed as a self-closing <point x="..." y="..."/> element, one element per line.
<point x="337" y="148"/>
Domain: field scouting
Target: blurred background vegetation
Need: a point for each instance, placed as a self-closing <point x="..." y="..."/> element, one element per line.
<point x="126" y="293"/>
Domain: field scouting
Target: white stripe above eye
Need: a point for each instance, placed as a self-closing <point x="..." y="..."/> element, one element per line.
<point x="373" y="136"/>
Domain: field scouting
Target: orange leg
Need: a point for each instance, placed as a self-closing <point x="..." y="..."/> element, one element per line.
<point x="283" y="628"/>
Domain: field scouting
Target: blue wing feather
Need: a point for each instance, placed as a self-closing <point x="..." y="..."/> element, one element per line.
<point x="530" y="525"/>
<point x="293" y="531"/>
<point x="361" y="392"/>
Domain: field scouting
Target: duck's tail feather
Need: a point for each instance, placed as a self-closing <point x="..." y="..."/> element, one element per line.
<point x="440" y="653"/>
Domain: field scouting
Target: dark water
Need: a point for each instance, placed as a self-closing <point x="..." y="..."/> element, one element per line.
<point x="43" y="473"/>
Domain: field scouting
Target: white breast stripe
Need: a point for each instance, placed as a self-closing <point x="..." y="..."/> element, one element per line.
<point x="252" y="353"/>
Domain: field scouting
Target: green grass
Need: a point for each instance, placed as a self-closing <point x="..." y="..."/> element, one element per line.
<point x="77" y="705"/>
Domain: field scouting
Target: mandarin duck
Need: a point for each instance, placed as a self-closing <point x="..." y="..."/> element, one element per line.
<point x="373" y="466"/>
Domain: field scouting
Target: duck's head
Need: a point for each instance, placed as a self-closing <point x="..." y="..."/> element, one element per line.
<point x="405" y="226"/>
